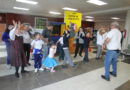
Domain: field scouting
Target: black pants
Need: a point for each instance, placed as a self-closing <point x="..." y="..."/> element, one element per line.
<point x="17" y="68"/>
<point x="79" y="46"/>
<point x="61" y="53"/>
<point x="27" y="48"/>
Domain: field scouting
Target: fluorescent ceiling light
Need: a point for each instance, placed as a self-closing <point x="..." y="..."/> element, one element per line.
<point x="27" y="1"/>
<point x="19" y="8"/>
<point x="55" y="13"/>
<point x="89" y="17"/>
<point x="90" y="20"/>
<point x="97" y="2"/>
<point x="115" y="18"/>
<point x="70" y="9"/>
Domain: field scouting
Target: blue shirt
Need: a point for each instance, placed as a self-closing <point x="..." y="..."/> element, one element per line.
<point x="6" y="38"/>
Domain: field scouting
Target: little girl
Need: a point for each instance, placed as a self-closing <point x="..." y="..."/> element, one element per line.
<point x="50" y="62"/>
<point x="37" y="44"/>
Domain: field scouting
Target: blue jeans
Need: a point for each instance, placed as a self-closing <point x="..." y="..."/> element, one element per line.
<point x="111" y="57"/>
<point x="8" y="53"/>
<point x="86" y="55"/>
<point x="46" y="51"/>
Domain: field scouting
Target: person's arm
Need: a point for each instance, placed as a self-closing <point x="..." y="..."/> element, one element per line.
<point x="55" y="49"/>
<point x="43" y="36"/>
<point x="12" y="33"/>
<point x="32" y="44"/>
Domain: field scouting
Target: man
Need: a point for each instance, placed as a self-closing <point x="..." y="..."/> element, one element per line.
<point x="101" y="34"/>
<point x="46" y="36"/>
<point x="113" y="44"/>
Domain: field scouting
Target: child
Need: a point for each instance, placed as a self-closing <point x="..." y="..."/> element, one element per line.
<point x="50" y="62"/>
<point x="87" y="40"/>
<point x="37" y="44"/>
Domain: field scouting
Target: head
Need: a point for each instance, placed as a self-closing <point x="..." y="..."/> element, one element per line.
<point x="80" y="29"/>
<point x="50" y="26"/>
<point x="26" y="26"/>
<point x="114" y="25"/>
<point x="53" y="45"/>
<point x="88" y="34"/>
<point x="37" y="35"/>
<point x="9" y="27"/>
<point x="18" y="31"/>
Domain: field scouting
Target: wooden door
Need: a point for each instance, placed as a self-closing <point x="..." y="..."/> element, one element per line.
<point x="2" y="29"/>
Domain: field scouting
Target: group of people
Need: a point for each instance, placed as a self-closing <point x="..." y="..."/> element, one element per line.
<point x="19" y="42"/>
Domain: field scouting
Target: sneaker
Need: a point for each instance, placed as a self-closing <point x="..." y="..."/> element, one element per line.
<point x="9" y="66"/>
<point x="35" y="70"/>
<point x="52" y="71"/>
<point x="41" y="69"/>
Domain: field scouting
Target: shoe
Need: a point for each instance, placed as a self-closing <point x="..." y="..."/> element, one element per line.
<point x="75" y="56"/>
<point x="9" y="66"/>
<point x="52" y="71"/>
<point x="113" y="74"/>
<point x="85" y="61"/>
<point x="35" y="70"/>
<point x="74" y="65"/>
<point x="80" y="55"/>
<point x="64" y="66"/>
<point x="24" y="71"/>
<point x="29" y="64"/>
<point x="41" y="69"/>
<point x="103" y="77"/>
<point x="17" y="75"/>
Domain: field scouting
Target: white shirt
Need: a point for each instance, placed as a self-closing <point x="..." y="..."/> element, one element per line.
<point x="100" y="39"/>
<point x="51" y="53"/>
<point x="37" y="44"/>
<point x="26" y="38"/>
<point x="61" y="40"/>
<point x="115" y="39"/>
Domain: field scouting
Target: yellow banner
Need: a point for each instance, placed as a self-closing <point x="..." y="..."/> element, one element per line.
<point x="73" y="17"/>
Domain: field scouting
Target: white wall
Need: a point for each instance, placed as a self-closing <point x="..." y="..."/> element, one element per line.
<point x="106" y="24"/>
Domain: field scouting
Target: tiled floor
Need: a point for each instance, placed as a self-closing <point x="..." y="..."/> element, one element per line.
<point x="86" y="76"/>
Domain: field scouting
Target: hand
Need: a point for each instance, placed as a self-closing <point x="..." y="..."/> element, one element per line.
<point x="103" y="47"/>
<point x="15" y="23"/>
<point x="9" y="40"/>
<point x="30" y="27"/>
<point x="68" y="35"/>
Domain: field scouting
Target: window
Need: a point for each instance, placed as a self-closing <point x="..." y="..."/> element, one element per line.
<point x="40" y="23"/>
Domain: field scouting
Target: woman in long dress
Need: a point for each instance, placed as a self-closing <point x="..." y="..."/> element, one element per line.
<point x="17" y="56"/>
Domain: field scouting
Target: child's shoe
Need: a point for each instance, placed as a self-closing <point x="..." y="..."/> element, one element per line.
<point x="41" y="69"/>
<point x="35" y="70"/>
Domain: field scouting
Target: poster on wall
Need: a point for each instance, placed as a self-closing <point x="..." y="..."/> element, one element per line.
<point x="73" y="17"/>
<point x="40" y="23"/>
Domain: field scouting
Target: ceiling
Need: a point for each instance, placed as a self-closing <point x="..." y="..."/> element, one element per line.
<point x="114" y="8"/>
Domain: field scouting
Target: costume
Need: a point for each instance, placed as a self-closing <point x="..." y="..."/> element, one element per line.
<point x="37" y="51"/>
<point x="50" y="61"/>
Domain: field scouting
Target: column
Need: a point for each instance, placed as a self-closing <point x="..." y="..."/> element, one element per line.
<point x="126" y="40"/>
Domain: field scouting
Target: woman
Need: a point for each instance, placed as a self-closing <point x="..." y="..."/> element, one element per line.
<point x="27" y="34"/>
<point x="17" y="56"/>
<point x="6" y="39"/>
<point x="79" y="42"/>
<point x="87" y="40"/>
<point x="66" y="49"/>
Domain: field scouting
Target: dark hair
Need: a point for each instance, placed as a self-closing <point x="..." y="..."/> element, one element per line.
<point x="53" y="44"/>
<point x="7" y="30"/>
<point x="36" y="33"/>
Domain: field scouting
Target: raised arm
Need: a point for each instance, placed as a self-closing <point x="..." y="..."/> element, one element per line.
<point x="12" y="33"/>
